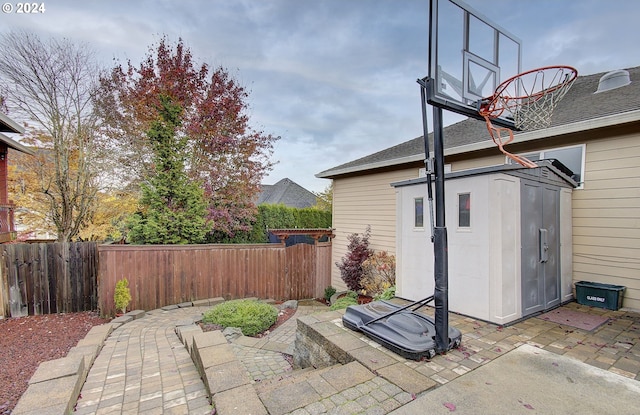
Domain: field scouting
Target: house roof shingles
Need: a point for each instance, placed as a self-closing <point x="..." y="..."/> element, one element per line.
<point x="580" y="104"/>
<point x="286" y="192"/>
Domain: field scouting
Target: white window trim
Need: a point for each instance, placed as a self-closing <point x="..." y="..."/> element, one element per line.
<point x="542" y="156"/>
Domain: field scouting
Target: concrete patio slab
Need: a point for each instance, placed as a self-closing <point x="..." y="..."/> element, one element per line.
<point x="531" y="380"/>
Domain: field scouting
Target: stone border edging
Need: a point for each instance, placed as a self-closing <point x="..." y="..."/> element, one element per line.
<point x="226" y="379"/>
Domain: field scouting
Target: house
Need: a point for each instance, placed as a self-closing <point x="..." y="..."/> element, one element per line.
<point x="595" y="132"/>
<point x="286" y="192"/>
<point x="7" y="226"/>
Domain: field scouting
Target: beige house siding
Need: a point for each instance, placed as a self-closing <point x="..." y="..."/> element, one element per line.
<point x="606" y="211"/>
<point x="365" y="200"/>
<point x="606" y="216"/>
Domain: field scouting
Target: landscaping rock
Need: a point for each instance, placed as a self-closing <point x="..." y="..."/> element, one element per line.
<point x="290" y="304"/>
<point x="232" y="333"/>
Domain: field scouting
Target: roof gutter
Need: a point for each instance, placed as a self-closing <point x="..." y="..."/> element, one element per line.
<point x="11" y="126"/>
<point x="15" y="145"/>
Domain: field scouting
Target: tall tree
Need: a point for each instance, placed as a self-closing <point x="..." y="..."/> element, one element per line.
<point x="324" y="199"/>
<point x="173" y="206"/>
<point x="226" y="155"/>
<point x="50" y="85"/>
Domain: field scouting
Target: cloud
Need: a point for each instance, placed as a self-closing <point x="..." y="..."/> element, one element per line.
<point x="336" y="79"/>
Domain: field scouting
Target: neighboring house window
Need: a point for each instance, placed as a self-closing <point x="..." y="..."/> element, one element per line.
<point x="572" y="157"/>
<point x="464" y="210"/>
<point x="418" y="204"/>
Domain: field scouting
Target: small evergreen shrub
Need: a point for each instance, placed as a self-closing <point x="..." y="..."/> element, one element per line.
<point x="250" y="316"/>
<point x="343" y="302"/>
<point x="387" y="294"/>
<point x="350" y="265"/>
<point x="122" y="295"/>
<point x="328" y="292"/>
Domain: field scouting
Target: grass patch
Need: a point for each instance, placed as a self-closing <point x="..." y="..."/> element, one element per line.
<point x="250" y="316"/>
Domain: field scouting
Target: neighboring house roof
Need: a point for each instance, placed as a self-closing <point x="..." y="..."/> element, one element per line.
<point x="577" y="111"/>
<point x="15" y="145"/>
<point x="288" y="193"/>
<point x="7" y="125"/>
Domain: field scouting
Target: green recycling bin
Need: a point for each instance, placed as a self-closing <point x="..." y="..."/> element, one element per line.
<point x="600" y="295"/>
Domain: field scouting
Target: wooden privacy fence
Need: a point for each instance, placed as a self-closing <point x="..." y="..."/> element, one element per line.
<point x="161" y="275"/>
<point x="48" y="278"/>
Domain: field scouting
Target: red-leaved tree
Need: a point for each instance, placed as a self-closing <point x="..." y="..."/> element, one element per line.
<point x="223" y="153"/>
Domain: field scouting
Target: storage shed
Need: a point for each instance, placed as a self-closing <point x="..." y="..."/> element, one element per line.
<point x="509" y="240"/>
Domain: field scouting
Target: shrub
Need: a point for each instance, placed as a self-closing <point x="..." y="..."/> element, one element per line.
<point x="251" y="316"/>
<point x="122" y="295"/>
<point x="378" y="273"/>
<point x="387" y="294"/>
<point x="328" y="292"/>
<point x="351" y="264"/>
<point x="343" y="302"/>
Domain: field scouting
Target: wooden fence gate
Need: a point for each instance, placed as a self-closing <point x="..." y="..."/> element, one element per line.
<point x="48" y="278"/>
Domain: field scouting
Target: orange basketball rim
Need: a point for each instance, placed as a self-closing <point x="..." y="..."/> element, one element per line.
<point x="529" y="99"/>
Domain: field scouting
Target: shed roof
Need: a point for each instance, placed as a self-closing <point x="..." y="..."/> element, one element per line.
<point x="577" y="111"/>
<point x="546" y="172"/>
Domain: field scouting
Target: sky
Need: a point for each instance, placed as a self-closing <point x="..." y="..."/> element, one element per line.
<point x="335" y="79"/>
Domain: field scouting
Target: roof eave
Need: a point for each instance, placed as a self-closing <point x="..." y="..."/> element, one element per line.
<point x="559" y="130"/>
<point x="328" y="174"/>
<point x="15" y="145"/>
<point x="11" y="126"/>
<point x="579" y="126"/>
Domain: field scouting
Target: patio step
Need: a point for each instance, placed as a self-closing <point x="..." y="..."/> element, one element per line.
<point x="276" y="382"/>
<point x="286" y="394"/>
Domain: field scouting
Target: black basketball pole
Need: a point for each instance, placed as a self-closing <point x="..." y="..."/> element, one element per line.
<point x="439" y="231"/>
<point x="440" y="251"/>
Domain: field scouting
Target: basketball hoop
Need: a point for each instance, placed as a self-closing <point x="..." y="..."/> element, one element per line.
<point x="529" y="98"/>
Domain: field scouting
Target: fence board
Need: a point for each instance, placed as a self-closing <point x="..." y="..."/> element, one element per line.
<point x="68" y="277"/>
<point x="48" y="278"/>
<point x="162" y="275"/>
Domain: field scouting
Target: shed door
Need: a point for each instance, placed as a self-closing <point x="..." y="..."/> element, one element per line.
<point x="540" y="247"/>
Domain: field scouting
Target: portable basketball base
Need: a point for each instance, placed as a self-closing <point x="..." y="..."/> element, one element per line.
<point x="484" y="82"/>
<point x="401" y="329"/>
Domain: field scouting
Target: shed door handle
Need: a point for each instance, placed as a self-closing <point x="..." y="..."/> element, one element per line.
<point x="544" y="246"/>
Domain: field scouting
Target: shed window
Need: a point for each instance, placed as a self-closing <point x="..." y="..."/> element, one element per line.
<point x="464" y="210"/>
<point x="418" y="204"/>
<point x="572" y="157"/>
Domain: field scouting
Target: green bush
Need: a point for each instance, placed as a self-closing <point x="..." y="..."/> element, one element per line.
<point x="344" y="302"/>
<point x="328" y="292"/>
<point x="387" y="294"/>
<point x="251" y="316"/>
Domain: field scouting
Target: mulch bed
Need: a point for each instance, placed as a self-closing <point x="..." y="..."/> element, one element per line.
<point x="25" y="342"/>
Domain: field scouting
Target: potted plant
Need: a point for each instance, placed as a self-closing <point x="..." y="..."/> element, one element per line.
<point x="122" y="296"/>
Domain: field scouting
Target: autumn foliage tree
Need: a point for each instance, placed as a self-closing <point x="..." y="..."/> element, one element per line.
<point x="224" y="154"/>
<point x="50" y="85"/>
